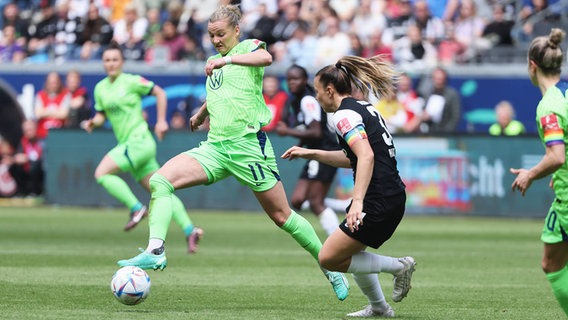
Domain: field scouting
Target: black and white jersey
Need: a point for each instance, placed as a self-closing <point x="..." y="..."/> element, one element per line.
<point x="306" y="110"/>
<point x="355" y="118"/>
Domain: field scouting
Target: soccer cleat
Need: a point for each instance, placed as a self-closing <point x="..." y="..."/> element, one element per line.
<point x="402" y="279"/>
<point x="136" y="217"/>
<point x="146" y="260"/>
<point x="193" y="239"/>
<point x="368" y="312"/>
<point x="339" y="283"/>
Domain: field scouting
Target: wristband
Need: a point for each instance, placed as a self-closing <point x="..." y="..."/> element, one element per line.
<point x="228" y="60"/>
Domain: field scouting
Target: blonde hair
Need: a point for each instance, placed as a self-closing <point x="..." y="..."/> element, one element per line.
<point x="373" y="75"/>
<point x="547" y="53"/>
<point x="230" y="12"/>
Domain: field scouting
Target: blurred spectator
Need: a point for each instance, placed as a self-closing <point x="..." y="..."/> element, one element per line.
<point x="498" y="30"/>
<point x="301" y="48"/>
<point x="392" y="112"/>
<point x="450" y="50"/>
<point x="77" y="9"/>
<point x="65" y="38"/>
<point x="468" y="28"/>
<point x="506" y="124"/>
<point x="10" y="50"/>
<point x="253" y="11"/>
<point x="130" y="27"/>
<point x="178" y="121"/>
<point x="27" y="167"/>
<point x="133" y="49"/>
<point x="79" y="108"/>
<point x="51" y="105"/>
<point x="397" y="25"/>
<point x="368" y="20"/>
<point x="537" y="18"/>
<point x="191" y="50"/>
<point x="333" y="44"/>
<point x="442" y="110"/>
<point x="173" y="40"/>
<point x="263" y="26"/>
<point x="345" y="9"/>
<point x="412" y="52"/>
<point x="154" y="25"/>
<point x="8" y="187"/>
<point x="412" y="103"/>
<point x="11" y="17"/>
<point x="287" y="23"/>
<point x="356" y="44"/>
<point x="375" y="46"/>
<point x="431" y="27"/>
<point x="275" y="98"/>
<point x="42" y="34"/>
<point x="94" y="34"/>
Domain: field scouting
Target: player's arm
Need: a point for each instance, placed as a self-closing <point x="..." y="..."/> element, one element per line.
<point x="199" y="117"/>
<point x="95" y="122"/>
<point x="257" y="58"/>
<point x="334" y="158"/>
<point x="161" y="108"/>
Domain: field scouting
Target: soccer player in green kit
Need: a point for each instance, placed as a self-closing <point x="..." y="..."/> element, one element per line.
<point x="545" y="58"/>
<point x="235" y="145"/>
<point x="118" y="98"/>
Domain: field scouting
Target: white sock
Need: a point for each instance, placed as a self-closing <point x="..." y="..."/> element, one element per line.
<point x="154" y="243"/>
<point x="371" y="288"/>
<point x="338" y="205"/>
<point x="305" y="205"/>
<point x="328" y="220"/>
<point x="366" y="262"/>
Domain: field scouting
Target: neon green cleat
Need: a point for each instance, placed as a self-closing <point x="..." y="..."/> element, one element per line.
<point x="146" y="260"/>
<point x="339" y="283"/>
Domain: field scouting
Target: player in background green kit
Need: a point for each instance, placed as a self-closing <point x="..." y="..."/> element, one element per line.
<point x="545" y="58"/>
<point x="235" y="145"/>
<point x="118" y="98"/>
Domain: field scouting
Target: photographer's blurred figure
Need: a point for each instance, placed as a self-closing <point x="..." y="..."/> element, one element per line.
<point x="506" y="124"/>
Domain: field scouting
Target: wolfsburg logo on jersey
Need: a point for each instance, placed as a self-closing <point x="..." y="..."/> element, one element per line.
<point x="216" y="79"/>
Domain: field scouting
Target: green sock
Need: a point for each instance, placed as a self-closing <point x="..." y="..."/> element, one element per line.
<point x="180" y="216"/>
<point x="303" y="232"/>
<point x="161" y="206"/>
<point x="119" y="189"/>
<point x="559" y="282"/>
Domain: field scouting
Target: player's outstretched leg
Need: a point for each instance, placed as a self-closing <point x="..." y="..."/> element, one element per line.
<point x="303" y="232"/>
<point x="371" y="288"/>
<point x="156" y="259"/>
<point x="192" y="233"/>
<point x="402" y="279"/>
<point x="120" y="190"/>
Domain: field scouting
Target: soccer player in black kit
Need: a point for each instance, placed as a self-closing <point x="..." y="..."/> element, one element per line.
<point x="379" y="194"/>
<point x="306" y="120"/>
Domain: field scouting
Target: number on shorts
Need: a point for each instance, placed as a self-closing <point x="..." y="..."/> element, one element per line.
<point x="254" y="171"/>
<point x="551" y="221"/>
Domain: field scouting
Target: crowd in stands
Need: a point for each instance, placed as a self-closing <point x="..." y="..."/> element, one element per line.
<point x="416" y="34"/>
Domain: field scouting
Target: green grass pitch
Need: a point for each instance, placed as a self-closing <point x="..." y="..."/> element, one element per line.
<point x="56" y="263"/>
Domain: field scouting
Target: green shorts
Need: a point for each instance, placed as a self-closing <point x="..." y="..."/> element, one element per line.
<point x="555" y="228"/>
<point x="136" y="156"/>
<point x="250" y="159"/>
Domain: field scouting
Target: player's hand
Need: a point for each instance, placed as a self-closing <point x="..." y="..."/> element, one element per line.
<point x="160" y="129"/>
<point x="213" y="64"/>
<point x="196" y="121"/>
<point x="295" y="152"/>
<point x="522" y="182"/>
<point x="87" y="125"/>
<point x="354" y="218"/>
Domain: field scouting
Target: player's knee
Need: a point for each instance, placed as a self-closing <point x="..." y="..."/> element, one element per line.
<point x="100" y="178"/>
<point x="160" y="185"/>
<point x="327" y="261"/>
<point x="296" y="203"/>
<point x="550" y="265"/>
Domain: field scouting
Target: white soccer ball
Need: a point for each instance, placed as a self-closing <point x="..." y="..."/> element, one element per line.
<point x="130" y="285"/>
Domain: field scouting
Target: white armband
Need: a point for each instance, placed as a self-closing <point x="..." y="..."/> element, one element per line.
<point x="228" y="60"/>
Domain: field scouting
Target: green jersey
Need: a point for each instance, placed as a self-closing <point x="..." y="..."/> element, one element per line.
<point x="552" y="123"/>
<point x="234" y="97"/>
<point x="121" y="102"/>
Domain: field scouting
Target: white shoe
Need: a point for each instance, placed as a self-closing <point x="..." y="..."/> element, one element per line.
<point x="368" y="312"/>
<point x="402" y="279"/>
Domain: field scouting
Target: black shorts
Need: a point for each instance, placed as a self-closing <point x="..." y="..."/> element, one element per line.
<point x="381" y="220"/>
<point x="318" y="171"/>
